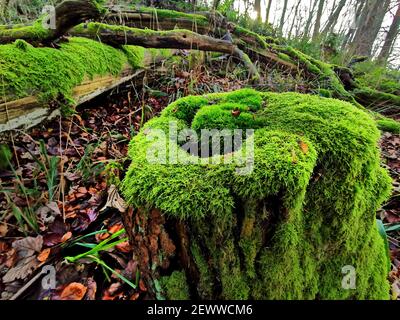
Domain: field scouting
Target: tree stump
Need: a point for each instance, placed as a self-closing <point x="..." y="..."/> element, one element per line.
<point x="299" y="225"/>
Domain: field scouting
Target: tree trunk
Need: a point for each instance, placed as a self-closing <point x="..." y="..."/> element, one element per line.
<point x="390" y="36"/>
<point x="333" y="18"/>
<point x="283" y="16"/>
<point x="173" y="39"/>
<point x="296" y="10"/>
<point x="257" y="8"/>
<point x="370" y="23"/>
<point x="309" y="21"/>
<point x="318" y="20"/>
<point x="268" y="10"/>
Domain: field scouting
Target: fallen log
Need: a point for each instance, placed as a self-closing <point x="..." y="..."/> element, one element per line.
<point x="38" y="82"/>
<point x="29" y="111"/>
<point x="173" y="39"/>
<point x="68" y="14"/>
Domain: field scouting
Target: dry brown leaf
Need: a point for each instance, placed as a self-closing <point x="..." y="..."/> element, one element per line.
<point x="23" y="269"/>
<point x="115" y="201"/>
<point x="115" y="228"/>
<point x="303" y="146"/>
<point x="26" y="249"/>
<point x="42" y="257"/>
<point x="135" y="296"/>
<point x="74" y="291"/>
<point x="124" y="247"/>
<point x="3" y="229"/>
<point x="66" y="237"/>
<point x="142" y="286"/>
<point x="92" y="289"/>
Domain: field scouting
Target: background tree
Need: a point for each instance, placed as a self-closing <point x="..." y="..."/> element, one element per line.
<point x="317" y="24"/>
<point x="390" y="36"/>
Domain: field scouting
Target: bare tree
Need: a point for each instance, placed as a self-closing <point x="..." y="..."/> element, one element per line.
<point x="333" y="18"/>
<point x="390" y="36"/>
<point x="370" y="23"/>
<point x="296" y="11"/>
<point x="309" y="19"/>
<point x="282" y="22"/>
<point x="269" y="4"/>
<point x="257" y="8"/>
<point x="317" y="24"/>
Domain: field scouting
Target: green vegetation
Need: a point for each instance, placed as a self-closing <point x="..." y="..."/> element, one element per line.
<point x="47" y="72"/>
<point x="175" y="286"/>
<point x="309" y="204"/>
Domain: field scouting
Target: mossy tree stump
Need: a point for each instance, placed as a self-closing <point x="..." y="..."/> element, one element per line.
<point x="285" y="231"/>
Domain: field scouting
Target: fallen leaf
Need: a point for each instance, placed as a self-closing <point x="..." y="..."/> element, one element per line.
<point x="135" y="296"/>
<point x="124" y="247"/>
<point x="115" y="228"/>
<point x="26" y="250"/>
<point x="142" y="286"/>
<point x="303" y="146"/>
<point x="74" y="291"/>
<point x="82" y="190"/>
<point x="66" y="237"/>
<point x="42" y="257"/>
<point x="114" y="200"/>
<point x="3" y="229"/>
<point x="91" y="289"/>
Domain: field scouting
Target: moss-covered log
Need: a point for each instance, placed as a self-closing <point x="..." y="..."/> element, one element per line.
<point x="173" y="39"/>
<point x="36" y="82"/>
<point x="67" y="15"/>
<point x="287" y="229"/>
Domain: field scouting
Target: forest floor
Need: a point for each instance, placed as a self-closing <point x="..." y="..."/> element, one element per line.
<point x="80" y="210"/>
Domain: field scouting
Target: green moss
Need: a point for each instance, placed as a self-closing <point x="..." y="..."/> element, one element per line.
<point x="175" y="286"/>
<point x="286" y="230"/>
<point x="377" y="99"/>
<point x="51" y="74"/>
<point x="285" y="57"/>
<point x="325" y="93"/>
<point x="171" y="14"/>
<point x="251" y="36"/>
<point x="5" y="156"/>
<point x="388" y="125"/>
<point x="205" y="274"/>
<point x="34" y="32"/>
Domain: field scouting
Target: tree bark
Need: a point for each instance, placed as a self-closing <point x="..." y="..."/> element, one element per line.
<point x="309" y="21"/>
<point x="370" y="23"/>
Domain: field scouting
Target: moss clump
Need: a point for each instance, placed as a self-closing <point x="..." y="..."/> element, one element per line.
<point x="377" y="100"/>
<point x="171" y="14"/>
<point x="34" y="32"/>
<point x="388" y="125"/>
<point x="51" y="74"/>
<point x="175" y="286"/>
<point x="286" y="229"/>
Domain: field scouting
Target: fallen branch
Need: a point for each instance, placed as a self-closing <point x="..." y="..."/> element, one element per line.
<point x="173" y="39"/>
<point x="68" y="14"/>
